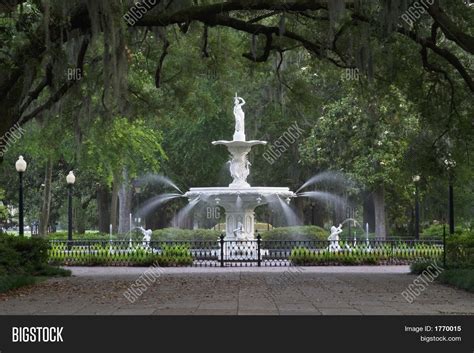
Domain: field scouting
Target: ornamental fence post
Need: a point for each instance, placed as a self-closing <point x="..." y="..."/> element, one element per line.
<point x="259" y="255"/>
<point x="222" y="249"/>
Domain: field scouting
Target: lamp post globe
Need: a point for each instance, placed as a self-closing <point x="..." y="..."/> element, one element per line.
<point x="20" y="167"/>
<point x="71" y="178"/>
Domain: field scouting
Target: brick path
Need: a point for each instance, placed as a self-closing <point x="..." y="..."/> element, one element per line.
<point x="266" y="291"/>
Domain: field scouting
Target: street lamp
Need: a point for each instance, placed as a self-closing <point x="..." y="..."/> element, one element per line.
<point x="20" y="166"/>
<point x="416" y="179"/>
<point x="138" y="189"/>
<point x="450" y="164"/>
<point x="70" y="179"/>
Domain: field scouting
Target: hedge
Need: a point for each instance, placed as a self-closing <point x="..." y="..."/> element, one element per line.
<point x="176" y="234"/>
<point x="298" y="233"/>
<point x="23" y="260"/>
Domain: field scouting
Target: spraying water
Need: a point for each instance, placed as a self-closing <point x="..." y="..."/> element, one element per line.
<point x="290" y="216"/>
<point x="159" y="179"/>
<point x="183" y="213"/>
<point x="154" y="202"/>
<point x="324" y="196"/>
<point x="325" y="176"/>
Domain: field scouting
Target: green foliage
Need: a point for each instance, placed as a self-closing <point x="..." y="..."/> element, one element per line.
<point x="77" y="236"/>
<point x="460" y="278"/>
<point x="367" y="133"/>
<point x="21" y="255"/>
<point x="460" y="250"/>
<point x="23" y="260"/>
<point x="420" y="266"/>
<point x="103" y="254"/>
<point x="360" y="255"/>
<point x="52" y="271"/>
<point x="121" y="143"/>
<point x="3" y="209"/>
<point x="175" y="255"/>
<point x="177" y="234"/>
<point x="299" y="233"/>
<point x="9" y="282"/>
<point x="433" y="231"/>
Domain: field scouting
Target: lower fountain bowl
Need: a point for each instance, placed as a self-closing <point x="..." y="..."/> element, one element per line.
<point x="252" y="196"/>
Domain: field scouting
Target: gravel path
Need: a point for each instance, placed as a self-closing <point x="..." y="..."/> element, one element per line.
<point x="208" y="291"/>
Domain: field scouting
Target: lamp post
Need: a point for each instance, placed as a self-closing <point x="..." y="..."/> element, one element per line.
<point x="20" y="166"/>
<point x="416" y="179"/>
<point x="138" y="189"/>
<point x="312" y="213"/>
<point x="450" y="164"/>
<point x="451" y="205"/>
<point x="70" y="179"/>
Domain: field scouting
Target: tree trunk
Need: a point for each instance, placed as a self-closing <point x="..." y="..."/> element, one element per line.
<point x="368" y="211"/>
<point x="114" y="203"/>
<point x="379" y="205"/>
<point x="125" y="204"/>
<point x="319" y="213"/>
<point x="79" y="217"/>
<point x="46" y="206"/>
<point x="298" y="208"/>
<point x="103" y="208"/>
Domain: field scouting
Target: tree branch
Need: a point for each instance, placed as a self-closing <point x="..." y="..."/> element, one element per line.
<point x="63" y="89"/>
<point x="449" y="28"/>
<point x="166" y="44"/>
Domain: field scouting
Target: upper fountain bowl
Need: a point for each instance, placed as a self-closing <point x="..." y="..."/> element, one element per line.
<point x="239" y="144"/>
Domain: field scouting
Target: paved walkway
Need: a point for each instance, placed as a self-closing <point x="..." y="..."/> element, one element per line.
<point x="229" y="291"/>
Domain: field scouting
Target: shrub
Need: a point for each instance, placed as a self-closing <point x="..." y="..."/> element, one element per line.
<point x="21" y="255"/>
<point x="461" y="278"/>
<point x="460" y="250"/>
<point x="419" y="266"/>
<point x="360" y="255"/>
<point x="10" y="282"/>
<point x="175" y="255"/>
<point x="51" y="271"/>
<point x="77" y="236"/>
<point x="101" y="254"/>
<point x="22" y="260"/>
<point x="176" y="234"/>
<point x="298" y="233"/>
<point x="435" y="231"/>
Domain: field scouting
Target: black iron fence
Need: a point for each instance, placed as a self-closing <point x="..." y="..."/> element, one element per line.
<point x="258" y="252"/>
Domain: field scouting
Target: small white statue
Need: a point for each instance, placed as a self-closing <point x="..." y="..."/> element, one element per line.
<point x="239" y="230"/>
<point x="334" y="238"/>
<point x="146" y="236"/>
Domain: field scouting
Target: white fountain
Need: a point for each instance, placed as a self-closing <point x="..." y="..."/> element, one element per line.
<point x="239" y="199"/>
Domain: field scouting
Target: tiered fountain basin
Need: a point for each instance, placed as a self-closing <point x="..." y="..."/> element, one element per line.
<point x="239" y="204"/>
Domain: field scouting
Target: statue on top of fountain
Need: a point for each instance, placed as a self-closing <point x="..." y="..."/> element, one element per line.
<point x="239" y="147"/>
<point x="239" y="133"/>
